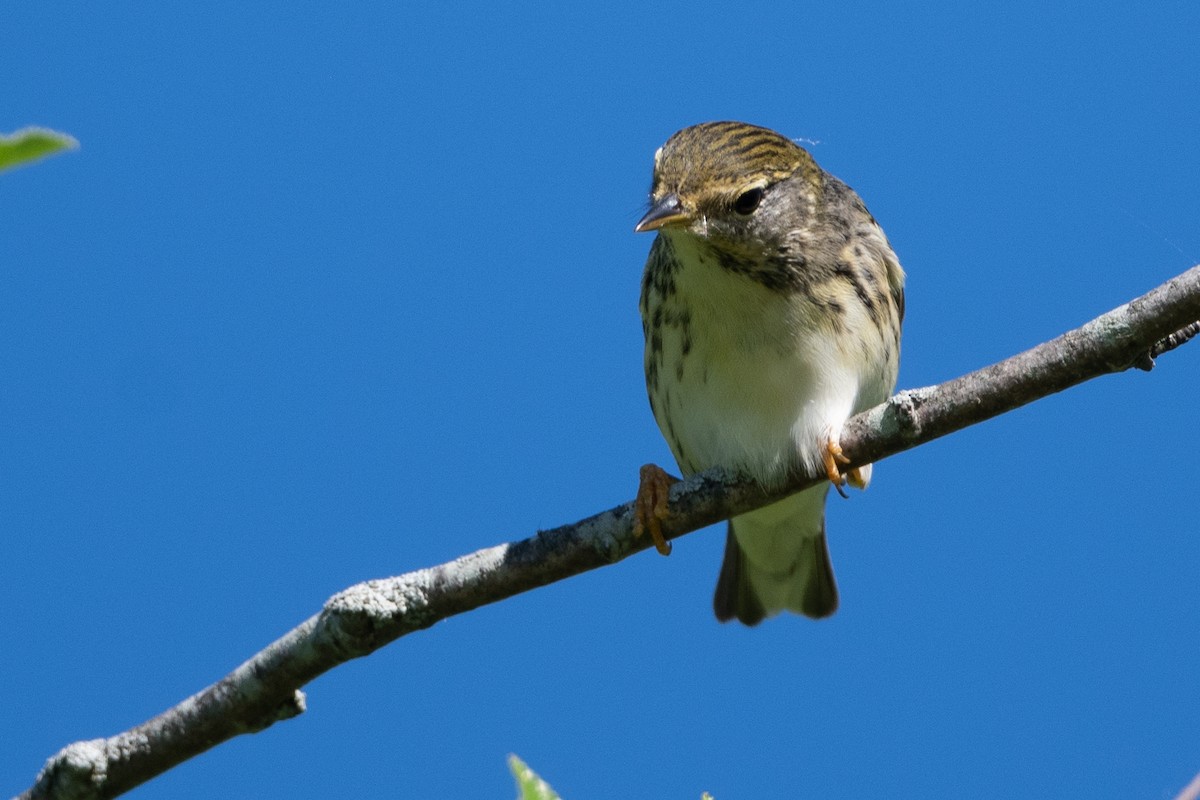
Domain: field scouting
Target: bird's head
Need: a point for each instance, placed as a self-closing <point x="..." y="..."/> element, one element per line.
<point x="731" y="183"/>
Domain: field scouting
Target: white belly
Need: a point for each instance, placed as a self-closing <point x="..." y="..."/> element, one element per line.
<point x="765" y="380"/>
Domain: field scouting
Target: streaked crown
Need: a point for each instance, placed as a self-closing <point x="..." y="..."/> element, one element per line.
<point x="724" y="157"/>
<point x="721" y="171"/>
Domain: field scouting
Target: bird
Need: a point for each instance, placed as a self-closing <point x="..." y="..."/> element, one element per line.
<point x="771" y="306"/>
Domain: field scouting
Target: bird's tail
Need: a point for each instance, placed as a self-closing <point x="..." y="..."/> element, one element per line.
<point x="777" y="559"/>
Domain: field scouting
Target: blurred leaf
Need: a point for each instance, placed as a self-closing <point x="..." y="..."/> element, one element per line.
<point x="530" y="785"/>
<point x="30" y="144"/>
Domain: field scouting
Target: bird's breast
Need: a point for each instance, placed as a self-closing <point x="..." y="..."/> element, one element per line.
<point x="740" y="375"/>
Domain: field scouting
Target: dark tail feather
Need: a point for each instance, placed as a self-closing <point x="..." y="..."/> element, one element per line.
<point x="735" y="595"/>
<point x="820" y="588"/>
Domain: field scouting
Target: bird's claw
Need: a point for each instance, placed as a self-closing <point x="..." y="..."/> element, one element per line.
<point x="834" y="459"/>
<point x="650" y="506"/>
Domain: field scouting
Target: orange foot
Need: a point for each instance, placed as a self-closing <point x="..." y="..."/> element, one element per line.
<point x="650" y="506"/>
<point x="834" y="459"/>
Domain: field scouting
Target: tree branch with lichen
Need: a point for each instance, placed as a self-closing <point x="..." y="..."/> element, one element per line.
<point x="353" y="623"/>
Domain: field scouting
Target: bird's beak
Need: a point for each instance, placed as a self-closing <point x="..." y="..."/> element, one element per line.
<point x="666" y="212"/>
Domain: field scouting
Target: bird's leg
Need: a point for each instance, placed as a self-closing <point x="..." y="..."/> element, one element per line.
<point x="834" y="459"/>
<point x="650" y="506"/>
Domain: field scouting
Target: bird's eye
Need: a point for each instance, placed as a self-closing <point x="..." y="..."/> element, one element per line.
<point x="748" y="201"/>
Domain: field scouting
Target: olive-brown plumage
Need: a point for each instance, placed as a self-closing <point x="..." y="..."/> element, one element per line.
<point x="771" y="304"/>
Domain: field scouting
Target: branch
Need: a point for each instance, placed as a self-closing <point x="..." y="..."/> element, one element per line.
<point x="1192" y="790"/>
<point x="365" y="617"/>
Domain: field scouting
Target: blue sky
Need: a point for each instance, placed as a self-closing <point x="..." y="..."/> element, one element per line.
<point x="334" y="293"/>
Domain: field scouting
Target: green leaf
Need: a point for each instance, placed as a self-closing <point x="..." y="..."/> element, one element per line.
<point x="529" y="784"/>
<point x="30" y="144"/>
